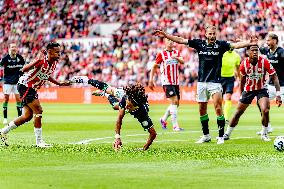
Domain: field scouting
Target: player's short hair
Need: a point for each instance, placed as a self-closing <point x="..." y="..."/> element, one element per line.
<point x="136" y="94"/>
<point x="273" y="36"/>
<point x="210" y="26"/>
<point x="248" y="48"/>
<point x="51" y="45"/>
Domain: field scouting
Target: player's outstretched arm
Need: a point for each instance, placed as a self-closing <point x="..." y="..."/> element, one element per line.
<point x="117" y="141"/>
<point x="173" y="38"/>
<point x="275" y="80"/>
<point x="62" y="83"/>
<point x="152" y="136"/>
<point x="253" y="41"/>
<point x="151" y="81"/>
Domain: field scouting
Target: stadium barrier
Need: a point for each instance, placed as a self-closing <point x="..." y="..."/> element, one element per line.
<point x="84" y="95"/>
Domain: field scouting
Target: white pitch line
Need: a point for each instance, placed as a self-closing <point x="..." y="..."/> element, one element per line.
<point x="88" y="141"/>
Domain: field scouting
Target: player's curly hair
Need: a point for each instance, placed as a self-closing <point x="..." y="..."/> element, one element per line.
<point x="136" y="93"/>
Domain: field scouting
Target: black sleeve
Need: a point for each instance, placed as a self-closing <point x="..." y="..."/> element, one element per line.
<point x="194" y="43"/>
<point x="3" y="61"/>
<point x="23" y="62"/>
<point x="281" y="54"/>
<point x="225" y="45"/>
<point x="122" y="103"/>
<point x="263" y="50"/>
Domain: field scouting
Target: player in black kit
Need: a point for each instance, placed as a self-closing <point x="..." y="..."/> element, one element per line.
<point x="129" y="99"/>
<point x="12" y="63"/>
<point x="210" y="52"/>
<point x="275" y="55"/>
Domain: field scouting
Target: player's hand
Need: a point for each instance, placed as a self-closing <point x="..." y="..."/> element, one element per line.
<point x="159" y="33"/>
<point x="117" y="144"/>
<point x="278" y="101"/>
<point x="65" y="83"/>
<point x="253" y="40"/>
<point x="151" y="85"/>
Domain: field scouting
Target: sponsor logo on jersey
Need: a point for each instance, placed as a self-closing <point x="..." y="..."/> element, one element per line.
<point x="209" y="53"/>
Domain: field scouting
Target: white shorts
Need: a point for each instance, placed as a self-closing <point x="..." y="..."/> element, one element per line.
<point x="8" y="89"/>
<point x="272" y="92"/>
<point x="206" y="89"/>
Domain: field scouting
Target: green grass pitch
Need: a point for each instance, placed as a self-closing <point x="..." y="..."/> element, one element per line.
<point x="173" y="161"/>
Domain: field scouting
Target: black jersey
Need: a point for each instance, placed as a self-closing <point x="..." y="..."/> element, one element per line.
<point x="12" y="67"/>
<point x="276" y="59"/>
<point x="210" y="59"/>
<point x="141" y="114"/>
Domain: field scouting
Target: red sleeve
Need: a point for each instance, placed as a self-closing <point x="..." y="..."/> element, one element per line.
<point x="268" y="67"/>
<point x="242" y="68"/>
<point x="159" y="58"/>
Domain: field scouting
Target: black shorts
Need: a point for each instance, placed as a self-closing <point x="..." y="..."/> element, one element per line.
<point x="228" y="84"/>
<point x="247" y="97"/>
<point x="171" y="90"/>
<point x="27" y="94"/>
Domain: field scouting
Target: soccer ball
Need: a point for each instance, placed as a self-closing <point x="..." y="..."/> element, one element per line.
<point x="279" y="143"/>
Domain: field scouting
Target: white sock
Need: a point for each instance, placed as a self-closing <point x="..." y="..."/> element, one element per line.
<point x="106" y="95"/>
<point x="9" y="127"/>
<point x="173" y="112"/>
<point x="38" y="134"/>
<point x="264" y="130"/>
<point x="229" y="130"/>
<point x="269" y="125"/>
<point x="167" y="114"/>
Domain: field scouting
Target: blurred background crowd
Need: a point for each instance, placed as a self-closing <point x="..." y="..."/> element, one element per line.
<point x="130" y="53"/>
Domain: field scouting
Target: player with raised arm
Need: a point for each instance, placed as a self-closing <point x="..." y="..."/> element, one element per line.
<point x="12" y="64"/>
<point x="275" y="55"/>
<point x="169" y="60"/>
<point x="230" y="69"/>
<point x="37" y="73"/>
<point x="210" y="52"/>
<point x="129" y="99"/>
<point x="253" y="70"/>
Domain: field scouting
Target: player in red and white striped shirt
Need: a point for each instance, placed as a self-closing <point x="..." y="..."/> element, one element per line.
<point x="253" y="70"/>
<point x="37" y="73"/>
<point x="169" y="60"/>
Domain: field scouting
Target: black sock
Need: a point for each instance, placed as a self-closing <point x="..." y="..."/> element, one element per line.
<point x="19" y="109"/>
<point x="204" y="122"/>
<point x="5" y="112"/>
<point x="98" y="84"/>
<point x="112" y="100"/>
<point x="221" y="125"/>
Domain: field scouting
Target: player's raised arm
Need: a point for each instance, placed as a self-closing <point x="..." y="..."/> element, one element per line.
<point x="275" y="80"/>
<point x="173" y="38"/>
<point x="253" y="41"/>
<point x="117" y="141"/>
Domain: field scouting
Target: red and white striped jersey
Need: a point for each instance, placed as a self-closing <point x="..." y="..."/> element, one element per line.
<point x="37" y="77"/>
<point x="255" y="74"/>
<point x="168" y="67"/>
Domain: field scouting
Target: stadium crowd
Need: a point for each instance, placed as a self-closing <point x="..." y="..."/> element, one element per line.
<point x="132" y="50"/>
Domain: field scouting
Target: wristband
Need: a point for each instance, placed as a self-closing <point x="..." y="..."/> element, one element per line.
<point x="117" y="136"/>
<point x="278" y="93"/>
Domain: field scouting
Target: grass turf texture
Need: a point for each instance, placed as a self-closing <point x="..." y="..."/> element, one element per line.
<point x="173" y="161"/>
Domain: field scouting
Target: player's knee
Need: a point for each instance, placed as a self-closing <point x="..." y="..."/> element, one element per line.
<point x="265" y="111"/>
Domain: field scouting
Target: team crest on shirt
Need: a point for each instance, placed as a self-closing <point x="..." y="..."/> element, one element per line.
<point x="259" y="69"/>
